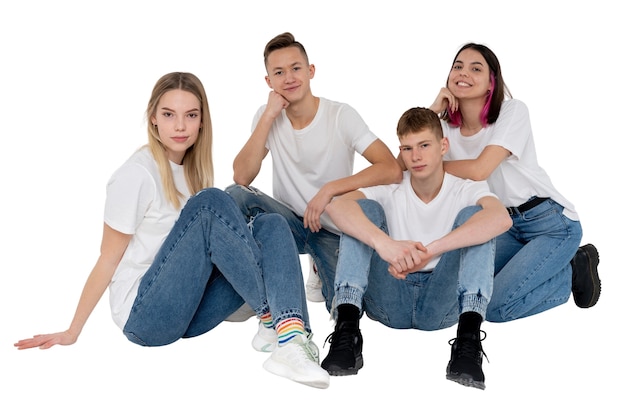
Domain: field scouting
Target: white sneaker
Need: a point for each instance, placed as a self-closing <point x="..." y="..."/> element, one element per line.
<point x="298" y="360"/>
<point x="243" y="313"/>
<point x="314" y="284"/>
<point x="265" y="340"/>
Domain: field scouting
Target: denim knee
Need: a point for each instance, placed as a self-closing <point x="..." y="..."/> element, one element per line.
<point x="240" y="192"/>
<point x="157" y="339"/>
<point x="373" y="210"/>
<point x="234" y="188"/>
<point x="206" y="197"/>
<point x="465" y="214"/>
<point x="270" y="221"/>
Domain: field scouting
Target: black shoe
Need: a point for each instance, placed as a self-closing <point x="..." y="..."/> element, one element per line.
<point x="466" y="360"/>
<point x="346" y="345"/>
<point x="585" y="278"/>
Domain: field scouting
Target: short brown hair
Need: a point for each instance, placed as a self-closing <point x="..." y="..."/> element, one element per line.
<point x="417" y="119"/>
<point x="284" y="40"/>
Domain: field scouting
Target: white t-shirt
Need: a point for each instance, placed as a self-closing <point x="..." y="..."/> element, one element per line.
<point x="136" y="205"/>
<point x="519" y="177"/>
<point x="409" y="218"/>
<point x="304" y="160"/>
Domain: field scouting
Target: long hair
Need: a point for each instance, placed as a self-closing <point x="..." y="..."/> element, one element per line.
<point x="198" y="159"/>
<point x="497" y="92"/>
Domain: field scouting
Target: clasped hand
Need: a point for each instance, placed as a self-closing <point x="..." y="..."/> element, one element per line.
<point x="404" y="257"/>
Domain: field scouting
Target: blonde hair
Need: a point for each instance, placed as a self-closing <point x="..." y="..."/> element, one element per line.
<point x="198" y="159"/>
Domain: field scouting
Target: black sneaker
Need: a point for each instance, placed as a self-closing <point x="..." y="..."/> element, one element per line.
<point x="466" y="360"/>
<point x="346" y="345"/>
<point x="585" y="278"/>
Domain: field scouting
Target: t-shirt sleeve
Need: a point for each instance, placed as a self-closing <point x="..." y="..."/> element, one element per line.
<point x="354" y="130"/>
<point x="475" y="190"/>
<point x="369" y="192"/>
<point x="512" y="129"/>
<point x="380" y="193"/>
<point x="129" y="193"/>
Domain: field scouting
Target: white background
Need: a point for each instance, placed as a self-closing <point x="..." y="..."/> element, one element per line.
<point x="76" y="77"/>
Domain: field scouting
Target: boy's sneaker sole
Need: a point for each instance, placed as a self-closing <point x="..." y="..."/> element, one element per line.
<point x="337" y="371"/>
<point x="586" y="285"/>
<point x="465" y="380"/>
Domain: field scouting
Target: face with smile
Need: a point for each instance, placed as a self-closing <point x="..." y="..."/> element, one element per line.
<point x="289" y="74"/>
<point x="178" y="118"/>
<point x="422" y="154"/>
<point x="469" y="76"/>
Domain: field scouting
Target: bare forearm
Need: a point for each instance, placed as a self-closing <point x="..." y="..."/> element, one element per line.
<point x="113" y="246"/>
<point x="481" y="168"/>
<point x="376" y="174"/>
<point x="467" y="169"/>
<point x="94" y="288"/>
<point x="483" y="226"/>
<point x="350" y="219"/>
<point x="247" y="163"/>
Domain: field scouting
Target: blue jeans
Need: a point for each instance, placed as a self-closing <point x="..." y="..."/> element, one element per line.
<point x="210" y="263"/>
<point x="462" y="281"/>
<point x="533" y="270"/>
<point x="323" y="246"/>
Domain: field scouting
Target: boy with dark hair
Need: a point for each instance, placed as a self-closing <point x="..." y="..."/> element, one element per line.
<point x="312" y="141"/>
